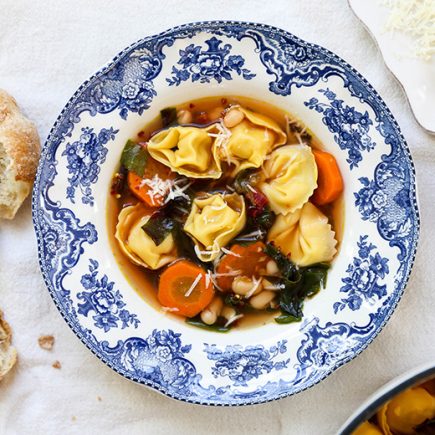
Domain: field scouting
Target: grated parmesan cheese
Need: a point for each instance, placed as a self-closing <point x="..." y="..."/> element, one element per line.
<point x="194" y="284"/>
<point x="254" y="287"/>
<point x="416" y="18"/>
<point x="170" y="309"/>
<point x="258" y="233"/>
<point x="198" y="252"/>
<point x="227" y="251"/>
<point x="157" y="187"/>
<point x="233" y="273"/>
<point x="251" y="188"/>
<point x="161" y="188"/>
<point x="233" y="319"/>
<point x="221" y="139"/>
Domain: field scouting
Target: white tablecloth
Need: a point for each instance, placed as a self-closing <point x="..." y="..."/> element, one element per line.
<point x="47" y="48"/>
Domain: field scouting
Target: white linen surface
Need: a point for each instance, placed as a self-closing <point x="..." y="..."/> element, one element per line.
<point x="47" y="48"/>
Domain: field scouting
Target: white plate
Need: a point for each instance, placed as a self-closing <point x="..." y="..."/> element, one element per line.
<point x="244" y="366"/>
<point x="417" y="76"/>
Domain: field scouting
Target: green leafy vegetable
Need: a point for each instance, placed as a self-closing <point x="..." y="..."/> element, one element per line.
<point x="297" y="283"/>
<point x="285" y="319"/>
<point x="196" y="321"/>
<point x="158" y="227"/>
<point x="314" y="278"/>
<point x="134" y="157"/>
<point x="185" y="246"/>
<point x="169" y="116"/>
<point x="264" y="219"/>
<point x="287" y="268"/>
<point x="244" y="178"/>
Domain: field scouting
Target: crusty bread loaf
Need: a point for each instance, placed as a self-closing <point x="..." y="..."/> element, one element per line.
<point x="19" y="152"/>
<point x="8" y="354"/>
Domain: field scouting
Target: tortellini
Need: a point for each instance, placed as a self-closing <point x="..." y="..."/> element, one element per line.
<point x="213" y="221"/>
<point x="251" y="140"/>
<point x="137" y="245"/>
<point x="189" y="151"/>
<point x="305" y="235"/>
<point x="290" y="178"/>
<point x="406" y="410"/>
<point x="367" y="428"/>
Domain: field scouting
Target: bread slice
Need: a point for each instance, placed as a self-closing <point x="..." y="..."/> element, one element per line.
<point x="19" y="153"/>
<point x="8" y="354"/>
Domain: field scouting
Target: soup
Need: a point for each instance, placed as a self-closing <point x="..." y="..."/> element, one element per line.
<point x="225" y="212"/>
<point x="411" y="411"/>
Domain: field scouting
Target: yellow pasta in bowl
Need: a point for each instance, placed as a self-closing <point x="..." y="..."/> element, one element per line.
<point x="290" y="178"/>
<point x="405" y="405"/>
<point x="214" y="211"/>
<point x="137" y="245"/>
<point x="251" y="139"/>
<point x="213" y="222"/>
<point x="189" y="151"/>
<point x="305" y="235"/>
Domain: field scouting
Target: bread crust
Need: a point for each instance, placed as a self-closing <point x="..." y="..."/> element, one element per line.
<point x="19" y="141"/>
<point x="8" y="354"/>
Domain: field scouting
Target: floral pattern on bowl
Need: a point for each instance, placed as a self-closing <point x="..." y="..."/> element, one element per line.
<point x="253" y="365"/>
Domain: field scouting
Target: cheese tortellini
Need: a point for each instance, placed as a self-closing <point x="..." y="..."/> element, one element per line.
<point x="305" y="235"/>
<point x="290" y="177"/>
<point x="406" y="410"/>
<point x="213" y="222"/>
<point x="189" y="151"/>
<point x="137" y="245"/>
<point x="251" y="140"/>
<point x="367" y="428"/>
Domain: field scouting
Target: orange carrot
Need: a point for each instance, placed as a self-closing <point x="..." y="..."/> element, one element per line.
<point x="185" y="288"/>
<point x="142" y="190"/>
<point x="245" y="260"/>
<point x="329" y="180"/>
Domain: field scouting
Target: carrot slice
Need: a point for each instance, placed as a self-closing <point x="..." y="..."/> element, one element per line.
<point x="243" y="260"/>
<point x="185" y="288"/>
<point x="142" y="190"/>
<point x="329" y="180"/>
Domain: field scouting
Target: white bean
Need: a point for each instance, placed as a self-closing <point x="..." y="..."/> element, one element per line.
<point x="271" y="267"/>
<point x="184" y="117"/>
<point x="242" y="285"/>
<point x="228" y="312"/>
<point x="262" y="300"/>
<point x="210" y="314"/>
<point x="233" y="117"/>
<point x="216" y="113"/>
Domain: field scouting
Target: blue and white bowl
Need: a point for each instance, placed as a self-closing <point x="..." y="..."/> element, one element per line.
<point x="244" y="366"/>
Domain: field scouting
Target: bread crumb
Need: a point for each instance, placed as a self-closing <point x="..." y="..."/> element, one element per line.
<point x="46" y="342"/>
<point x="56" y="365"/>
<point x="99" y="398"/>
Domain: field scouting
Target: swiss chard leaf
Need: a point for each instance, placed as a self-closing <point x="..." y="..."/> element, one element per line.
<point x="169" y="116"/>
<point x="287" y="268"/>
<point x="314" y="279"/>
<point x="158" y="227"/>
<point x="185" y="246"/>
<point x="264" y="219"/>
<point x="134" y="157"/>
<point x="285" y="319"/>
<point x="196" y="321"/>
<point x="297" y="283"/>
<point x="243" y="179"/>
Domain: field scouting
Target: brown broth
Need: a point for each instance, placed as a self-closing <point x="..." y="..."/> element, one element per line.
<point x="143" y="281"/>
